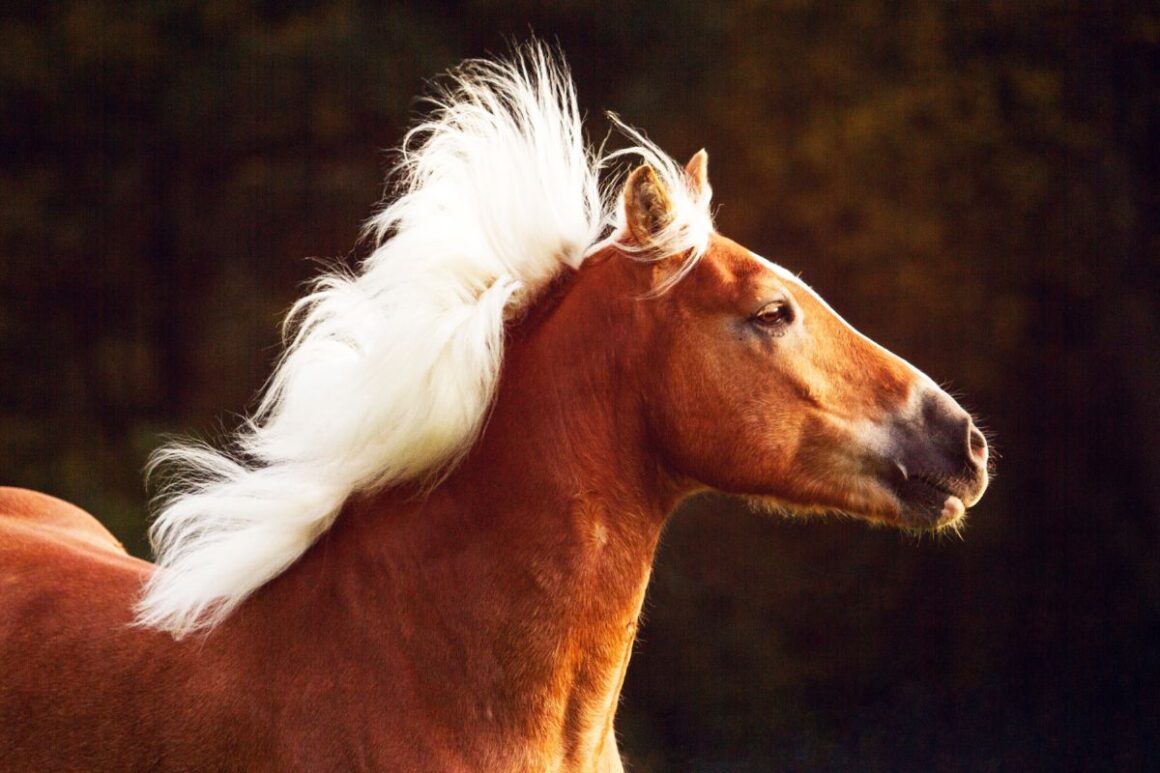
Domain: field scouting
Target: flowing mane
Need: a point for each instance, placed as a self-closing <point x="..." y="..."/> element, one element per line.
<point x="390" y="369"/>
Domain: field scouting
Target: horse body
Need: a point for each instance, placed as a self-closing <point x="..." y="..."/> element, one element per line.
<point x="484" y="619"/>
<point x="495" y="633"/>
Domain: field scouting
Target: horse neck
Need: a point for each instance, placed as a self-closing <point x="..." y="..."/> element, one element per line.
<point x="530" y="560"/>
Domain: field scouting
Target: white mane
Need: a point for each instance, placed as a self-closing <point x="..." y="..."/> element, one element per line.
<point x="390" y="370"/>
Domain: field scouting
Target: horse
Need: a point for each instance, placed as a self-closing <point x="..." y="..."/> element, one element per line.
<point x="428" y="547"/>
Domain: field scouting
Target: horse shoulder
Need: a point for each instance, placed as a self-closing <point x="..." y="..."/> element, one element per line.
<point x="54" y="519"/>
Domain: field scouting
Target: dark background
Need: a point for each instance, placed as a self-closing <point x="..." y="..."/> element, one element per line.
<point x="972" y="184"/>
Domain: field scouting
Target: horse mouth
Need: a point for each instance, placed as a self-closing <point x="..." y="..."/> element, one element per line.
<point x="931" y="502"/>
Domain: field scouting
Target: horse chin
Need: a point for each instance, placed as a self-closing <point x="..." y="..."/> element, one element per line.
<point x="924" y="506"/>
<point x="918" y="504"/>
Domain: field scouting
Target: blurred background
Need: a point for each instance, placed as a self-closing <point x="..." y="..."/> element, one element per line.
<point x="975" y="185"/>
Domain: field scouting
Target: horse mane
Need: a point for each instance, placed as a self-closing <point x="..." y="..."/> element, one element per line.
<point x="390" y="368"/>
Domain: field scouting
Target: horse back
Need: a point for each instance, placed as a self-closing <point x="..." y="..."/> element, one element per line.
<point x="84" y="688"/>
<point x="31" y="515"/>
<point x="76" y="677"/>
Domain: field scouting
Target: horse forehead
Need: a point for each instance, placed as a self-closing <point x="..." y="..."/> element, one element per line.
<point x="735" y="265"/>
<point x="748" y="275"/>
<point x="784" y="276"/>
<point x="766" y="266"/>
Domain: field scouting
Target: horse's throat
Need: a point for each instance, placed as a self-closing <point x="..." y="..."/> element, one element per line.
<point x="598" y="602"/>
<point x="588" y="725"/>
<point x="587" y="662"/>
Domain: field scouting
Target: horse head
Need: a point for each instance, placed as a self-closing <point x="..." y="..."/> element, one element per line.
<point x="757" y="387"/>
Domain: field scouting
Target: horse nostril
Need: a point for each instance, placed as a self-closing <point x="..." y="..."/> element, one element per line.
<point x="944" y="426"/>
<point x="978" y="443"/>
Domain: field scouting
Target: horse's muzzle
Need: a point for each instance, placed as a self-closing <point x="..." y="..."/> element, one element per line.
<point x="939" y="463"/>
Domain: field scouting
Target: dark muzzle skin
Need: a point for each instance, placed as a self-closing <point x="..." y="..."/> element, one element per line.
<point x="940" y="462"/>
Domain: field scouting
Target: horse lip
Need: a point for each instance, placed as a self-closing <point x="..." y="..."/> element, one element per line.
<point x="929" y="500"/>
<point x="937" y="484"/>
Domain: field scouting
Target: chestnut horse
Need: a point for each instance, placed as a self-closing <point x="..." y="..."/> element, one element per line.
<point x="429" y="548"/>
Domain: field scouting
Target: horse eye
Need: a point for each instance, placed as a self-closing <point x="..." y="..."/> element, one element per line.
<point x="774" y="315"/>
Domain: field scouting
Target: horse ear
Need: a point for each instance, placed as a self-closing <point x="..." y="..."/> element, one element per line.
<point x="698" y="171"/>
<point x="647" y="206"/>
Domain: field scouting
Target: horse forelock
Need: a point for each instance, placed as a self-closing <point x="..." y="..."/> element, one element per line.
<point x="390" y="369"/>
